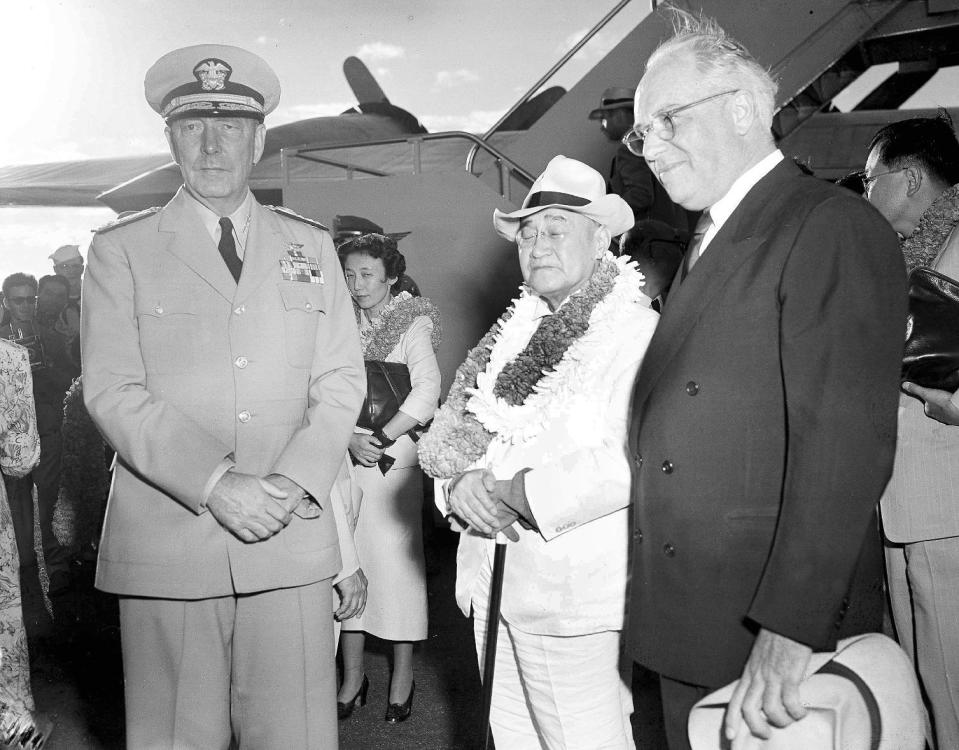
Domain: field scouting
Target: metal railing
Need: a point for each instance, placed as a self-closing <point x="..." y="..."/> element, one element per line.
<point x="471" y="156"/>
<point x="506" y="166"/>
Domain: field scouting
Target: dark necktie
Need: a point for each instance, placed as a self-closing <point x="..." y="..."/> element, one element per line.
<point x="696" y="241"/>
<point x="227" y="248"/>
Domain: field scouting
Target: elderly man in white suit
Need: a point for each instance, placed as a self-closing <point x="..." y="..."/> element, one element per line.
<point x="531" y="443"/>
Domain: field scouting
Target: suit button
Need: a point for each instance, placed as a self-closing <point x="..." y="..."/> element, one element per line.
<point x="308" y="305"/>
<point x="669" y="550"/>
<point x="244" y="416"/>
<point x="239" y="310"/>
<point x="158" y="310"/>
<point x="692" y="388"/>
<point x="638" y="460"/>
<point x="637" y="536"/>
<point x="667" y="467"/>
<point x="241" y="362"/>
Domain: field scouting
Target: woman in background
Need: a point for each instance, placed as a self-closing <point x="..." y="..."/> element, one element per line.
<point x="389" y="540"/>
<point x="19" y="453"/>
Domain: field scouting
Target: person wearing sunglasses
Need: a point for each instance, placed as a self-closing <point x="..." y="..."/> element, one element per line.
<point x="763" y="419"/>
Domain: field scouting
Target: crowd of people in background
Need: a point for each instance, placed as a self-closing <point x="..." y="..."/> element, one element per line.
<point x="680" y="430"/>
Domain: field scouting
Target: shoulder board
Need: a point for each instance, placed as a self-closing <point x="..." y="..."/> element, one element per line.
<point x="283" y="211"/>
<point x="128" y="219"/>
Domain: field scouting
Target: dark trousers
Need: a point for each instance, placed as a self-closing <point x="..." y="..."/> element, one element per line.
<point x="678" y="700"/>
<point x="46" y="476"/>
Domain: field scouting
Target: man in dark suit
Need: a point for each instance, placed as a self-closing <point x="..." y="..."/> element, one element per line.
<point x="764" y="414"/>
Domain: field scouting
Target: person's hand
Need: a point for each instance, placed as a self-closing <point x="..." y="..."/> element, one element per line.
<point x="939" y="405"/>
<point x="297" y="499"/>
<point x="352" y="591"/>
<point x="472" y="500"/>
<point x="365" y="449"/>
<point x="768" y="691"/>
<point x="248" y="507"/>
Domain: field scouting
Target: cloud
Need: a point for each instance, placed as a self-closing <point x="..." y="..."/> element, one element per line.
<point x="447" y="79"/>
<point x="379" y="51"/>
<point x="477" y="121"/>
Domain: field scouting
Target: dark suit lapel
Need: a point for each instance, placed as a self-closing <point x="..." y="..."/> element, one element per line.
<point x="192" y="244"/>
<point x="740" y="237"/>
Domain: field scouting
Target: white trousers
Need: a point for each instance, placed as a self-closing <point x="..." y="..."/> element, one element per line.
<point x="924" y="593"/>
<point x="555" y="692"/>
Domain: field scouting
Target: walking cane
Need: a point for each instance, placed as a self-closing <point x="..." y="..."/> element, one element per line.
<point x="492" y="630"/>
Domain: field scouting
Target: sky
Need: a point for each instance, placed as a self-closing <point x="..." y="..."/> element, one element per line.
<point x="73" y="74"/>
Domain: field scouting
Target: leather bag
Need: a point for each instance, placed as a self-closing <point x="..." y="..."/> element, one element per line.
<point x="931" y="354"/>
<point x="387" y="386"/>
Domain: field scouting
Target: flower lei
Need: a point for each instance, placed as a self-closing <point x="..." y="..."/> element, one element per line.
<point x="380" y="338"/>
<point x="935" y="225"/>
<point x="459" y="434"/>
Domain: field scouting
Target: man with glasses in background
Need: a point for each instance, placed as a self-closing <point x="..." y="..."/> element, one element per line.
<point x="763" y="420"/>
<point x="53" y="372"/>
<point x="912" y="177"/>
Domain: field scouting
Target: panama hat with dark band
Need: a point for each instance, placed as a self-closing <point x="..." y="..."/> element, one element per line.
<point x="571" y="185"/>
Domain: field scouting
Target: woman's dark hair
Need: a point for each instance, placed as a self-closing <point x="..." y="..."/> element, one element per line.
<point x="376" y="246"/>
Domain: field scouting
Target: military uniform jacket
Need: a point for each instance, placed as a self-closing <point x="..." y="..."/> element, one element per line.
<point x="763" y="429"/>
<point x="184" y="367"/>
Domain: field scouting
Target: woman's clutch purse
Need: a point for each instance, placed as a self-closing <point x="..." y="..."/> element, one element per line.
<point x="931" y="354"/>
<point x="387" y="386"/>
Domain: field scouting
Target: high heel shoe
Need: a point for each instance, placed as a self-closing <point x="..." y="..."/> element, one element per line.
<point x="343" y="710"/>
<point x="397" y="712"/>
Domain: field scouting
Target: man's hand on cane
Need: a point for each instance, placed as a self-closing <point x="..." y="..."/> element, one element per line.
<point x="472" y="499"/>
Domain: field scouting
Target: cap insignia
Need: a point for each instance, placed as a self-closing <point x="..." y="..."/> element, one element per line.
<point x="213" y="74"/>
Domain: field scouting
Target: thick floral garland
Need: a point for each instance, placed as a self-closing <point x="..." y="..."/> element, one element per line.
<point x="457" y="437"/>
<point x="379" y="339"/>
<point x="935" y="225"/>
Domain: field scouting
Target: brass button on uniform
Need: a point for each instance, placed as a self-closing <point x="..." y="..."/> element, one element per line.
<point x="692" y="388"/>
<point x="667" y="467"/>
<point x="239" y="310"/>
<point x="244" y="416"/>
<point x="308" y="305"/>
<point x="637" y="536"/>
<point x="638" y="460"/>
<point x="158" y="310"/>
<point x="241" y="362"/>
<point x="669" y="550"/>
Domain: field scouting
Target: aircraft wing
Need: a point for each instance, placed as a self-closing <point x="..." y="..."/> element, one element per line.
<point x="71" y="183"/>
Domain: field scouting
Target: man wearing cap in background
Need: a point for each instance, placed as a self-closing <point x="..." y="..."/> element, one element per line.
<point x="68" y="263"/>
<point x="222" y="362"/>
<point x="629" y="175"/>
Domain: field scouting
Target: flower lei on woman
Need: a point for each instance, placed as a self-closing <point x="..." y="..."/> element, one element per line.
<point x="380" y="338"/>
<point x="935" y="225"/>
<point x="458" y="437"/>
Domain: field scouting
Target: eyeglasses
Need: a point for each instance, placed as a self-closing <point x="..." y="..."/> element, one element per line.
<point x="867" y="181"/>
<point x="662" y="124"/>
<point x="527" y="236"/>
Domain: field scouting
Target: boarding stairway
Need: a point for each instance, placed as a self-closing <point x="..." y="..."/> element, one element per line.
<point x="443" y="187"/>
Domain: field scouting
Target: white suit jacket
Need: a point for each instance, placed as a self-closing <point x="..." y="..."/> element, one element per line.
<point x="570" y="578"/>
